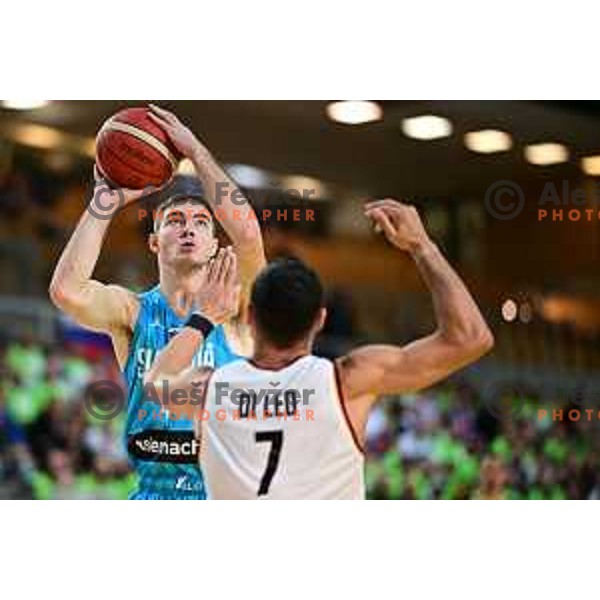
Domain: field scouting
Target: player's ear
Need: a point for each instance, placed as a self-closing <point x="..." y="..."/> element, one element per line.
<point x="153" y="243"/>
<point x="320" y="320"/>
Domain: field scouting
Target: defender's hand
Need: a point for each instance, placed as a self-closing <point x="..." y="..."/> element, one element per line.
<point x="218" y="299"/>
<point x="215" y="292"/>
<point x="181" y="136"/>
<point x="399" y="222"/>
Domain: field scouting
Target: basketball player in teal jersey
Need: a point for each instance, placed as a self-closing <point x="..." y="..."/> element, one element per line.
<point x="162" y="450"/>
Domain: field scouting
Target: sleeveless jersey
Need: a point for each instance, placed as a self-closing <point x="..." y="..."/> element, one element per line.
<point x="162" y="450"/>
<point x="279" y="434"/>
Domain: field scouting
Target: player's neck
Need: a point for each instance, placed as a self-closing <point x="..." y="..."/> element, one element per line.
<point x="173" y="281"/>
<point x="271" y="358"/>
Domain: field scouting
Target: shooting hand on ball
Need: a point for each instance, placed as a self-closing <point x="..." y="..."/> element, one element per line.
<point x="128" y="195"/>
<point x="109" y="199"/>
<point x="181" y="136"/>
<point x="399" y="222"/>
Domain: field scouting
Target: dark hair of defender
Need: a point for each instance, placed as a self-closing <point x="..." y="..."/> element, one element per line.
<point x="286" y="298"/>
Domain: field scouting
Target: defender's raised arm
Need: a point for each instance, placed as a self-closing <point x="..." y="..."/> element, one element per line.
<point x="461" y="336"/>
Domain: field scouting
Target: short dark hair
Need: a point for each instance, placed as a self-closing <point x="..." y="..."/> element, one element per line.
<point x="181" y="189"/>
<point x="286" y="298"/>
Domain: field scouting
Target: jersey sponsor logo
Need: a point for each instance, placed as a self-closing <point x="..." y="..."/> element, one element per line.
<point x="183" y="484"/>
<point x="164" y="446"/>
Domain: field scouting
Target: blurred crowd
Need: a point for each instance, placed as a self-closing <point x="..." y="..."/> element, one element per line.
<point x="443" y="443"/>
<point x="50" y="446"/>
<point x="446" y="444"/>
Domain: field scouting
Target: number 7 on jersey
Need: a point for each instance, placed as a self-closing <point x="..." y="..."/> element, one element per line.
<point x="276" y="439"/>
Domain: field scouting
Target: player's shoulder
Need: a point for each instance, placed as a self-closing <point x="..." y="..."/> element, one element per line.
<point x="315" y="364"/>
<point x="151" y="294"/>
<point x="125" y="302"/>
<point x="149" y="300"/>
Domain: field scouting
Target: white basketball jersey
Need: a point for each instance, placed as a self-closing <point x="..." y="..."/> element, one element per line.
<point x="279" y="434"/>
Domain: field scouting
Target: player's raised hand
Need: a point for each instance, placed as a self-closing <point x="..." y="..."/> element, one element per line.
<point x="216" y="291"/>
<point x="182" y="137"/>
<point x="218" y="299"/>
<point x="399" y="222"/>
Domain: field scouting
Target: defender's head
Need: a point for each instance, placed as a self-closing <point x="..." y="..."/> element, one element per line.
<point x="287" y="303"/>
<point x="184" y="229"/>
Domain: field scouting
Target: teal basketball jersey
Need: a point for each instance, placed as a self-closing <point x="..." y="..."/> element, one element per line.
<point x="162" y="450"/>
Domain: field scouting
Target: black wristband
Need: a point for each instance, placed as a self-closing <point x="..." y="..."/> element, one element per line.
<point x="200" y="323"/>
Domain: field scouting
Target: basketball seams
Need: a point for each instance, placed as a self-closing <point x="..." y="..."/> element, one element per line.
<point x="134" y="152"/>
<point x="106" y="150"/>
<point x="143" y="136"/>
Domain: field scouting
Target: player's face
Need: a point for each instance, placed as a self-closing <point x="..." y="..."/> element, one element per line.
<point x="186" y="235"/>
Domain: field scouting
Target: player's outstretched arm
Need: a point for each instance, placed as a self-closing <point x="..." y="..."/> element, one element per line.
<point x="461" y="337"/>
<point x="217" y="300"/>
<point x="234" y="211"/>
<point x="93" y="304"/>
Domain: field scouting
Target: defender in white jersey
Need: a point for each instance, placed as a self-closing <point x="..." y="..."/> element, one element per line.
<point x="283" y="434"/>
<point x="288" y="425"/>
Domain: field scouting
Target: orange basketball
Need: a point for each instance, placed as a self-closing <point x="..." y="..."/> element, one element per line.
<point x="134" y="152"/>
